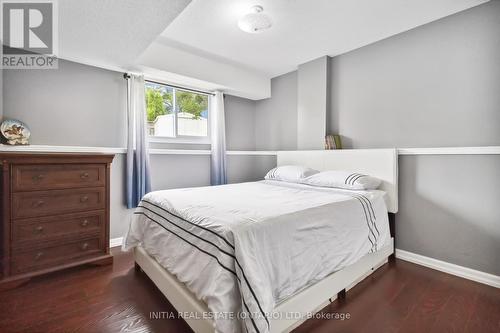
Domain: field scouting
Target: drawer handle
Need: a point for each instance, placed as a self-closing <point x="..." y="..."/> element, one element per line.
<point x="38" y="203"/>
<point x="84" y="198"/>
<point x="38" y="256"/>
<point x="84" y="175"/>
<point x="85" y="246"/>
<point x="39" y="229"/>
<point x="38" y="178"/>
<point x="85" y="223"/>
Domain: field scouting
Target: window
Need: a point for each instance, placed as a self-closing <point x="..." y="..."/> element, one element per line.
<point x="176" y="113"/>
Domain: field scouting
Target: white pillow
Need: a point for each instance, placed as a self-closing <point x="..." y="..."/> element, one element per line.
<point x="290" y="173"/>
<point x="343" y="179"/>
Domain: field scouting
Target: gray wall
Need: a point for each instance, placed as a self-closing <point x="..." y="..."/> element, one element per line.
<point x="81" y="105"/>
<point x="436" y="85"/>
<point x="74" y="105"/>
<point x="448" y="209"/>
<point x="276" y="117"/>
<point x="312" y="101"/>
<point x="240" y="123"/>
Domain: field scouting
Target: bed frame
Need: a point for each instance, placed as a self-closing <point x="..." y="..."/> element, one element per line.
<point x="381" y="163"/>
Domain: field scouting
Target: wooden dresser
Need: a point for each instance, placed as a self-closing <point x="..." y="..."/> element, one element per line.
<point x="55" y="213"/>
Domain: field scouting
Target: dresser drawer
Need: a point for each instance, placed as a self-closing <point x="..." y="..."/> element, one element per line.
<point x="57" y="176"/>
<point x="56" y="255"/>
<point x="63" y="226"/>
<point x="44" y="203"/>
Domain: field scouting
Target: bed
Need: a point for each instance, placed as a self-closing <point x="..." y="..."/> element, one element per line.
<point x="264" y="256"/>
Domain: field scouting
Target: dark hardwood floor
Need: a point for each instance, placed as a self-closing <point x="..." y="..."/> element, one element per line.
<point x="399" y="297"/>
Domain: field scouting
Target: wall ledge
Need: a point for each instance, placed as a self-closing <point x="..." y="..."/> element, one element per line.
<point x="484" y="150"/>
<point x="114" y="150"/>
<point x="446" y="267"/>
<point x="61" y="149"/>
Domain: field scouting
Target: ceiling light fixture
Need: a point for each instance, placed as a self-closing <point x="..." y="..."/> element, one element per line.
<point x="256" y="21"/>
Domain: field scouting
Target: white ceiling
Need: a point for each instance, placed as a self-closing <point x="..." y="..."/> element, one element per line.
<point x="112" y="33"/>
<point x="198" y="42"/>
<point x="303" y="29"/>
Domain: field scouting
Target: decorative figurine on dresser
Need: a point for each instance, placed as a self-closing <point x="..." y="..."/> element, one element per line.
<point x="55" y="213"/>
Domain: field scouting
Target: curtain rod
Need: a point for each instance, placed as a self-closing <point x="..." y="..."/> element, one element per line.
<point x="126" y="76"/>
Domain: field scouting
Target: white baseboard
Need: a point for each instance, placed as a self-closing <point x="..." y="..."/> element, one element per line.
<point x="115" y="242"/>
<point x="443" y="266"/>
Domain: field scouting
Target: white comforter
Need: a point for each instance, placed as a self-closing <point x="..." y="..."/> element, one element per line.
<point x="244" y="248"/>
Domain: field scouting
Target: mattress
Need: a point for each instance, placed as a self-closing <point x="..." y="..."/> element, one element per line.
<point x="245" y="248"/>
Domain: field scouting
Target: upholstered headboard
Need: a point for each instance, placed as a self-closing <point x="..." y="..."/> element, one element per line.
<point x="380" y="163"/>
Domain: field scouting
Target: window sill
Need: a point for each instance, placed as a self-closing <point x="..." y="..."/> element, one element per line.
<point x="184" y="141"/>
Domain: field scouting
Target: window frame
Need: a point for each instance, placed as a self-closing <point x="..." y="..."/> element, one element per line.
<point x="183" y="139"/>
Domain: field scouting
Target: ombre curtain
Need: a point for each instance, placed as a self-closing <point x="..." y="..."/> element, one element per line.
<point x="218" y="174"/>
<point x="138" y="168"/>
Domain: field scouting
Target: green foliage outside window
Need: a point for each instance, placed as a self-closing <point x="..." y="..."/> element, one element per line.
<point x="191" y="103"/>
<point x="159" y="101"/>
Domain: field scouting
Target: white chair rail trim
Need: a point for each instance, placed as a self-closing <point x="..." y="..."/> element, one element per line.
<point x="113" y="150"/>
<point x="484" y="150"/>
